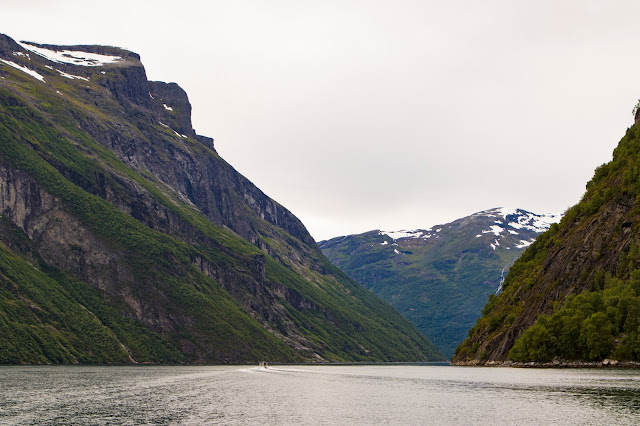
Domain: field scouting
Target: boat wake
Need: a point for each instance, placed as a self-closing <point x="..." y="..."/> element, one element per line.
<point x="263" y="369"/>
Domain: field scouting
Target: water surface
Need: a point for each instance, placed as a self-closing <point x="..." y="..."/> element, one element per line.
<point x="360" y="395"/>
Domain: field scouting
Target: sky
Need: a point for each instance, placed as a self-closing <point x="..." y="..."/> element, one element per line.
<point x="360" y="115"/>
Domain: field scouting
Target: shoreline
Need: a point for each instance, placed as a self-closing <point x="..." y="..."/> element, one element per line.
<point x="556" y="363"/>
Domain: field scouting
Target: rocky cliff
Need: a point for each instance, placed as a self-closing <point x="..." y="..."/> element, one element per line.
<point x="112" y="202"/>
<point x="574" y="295"/>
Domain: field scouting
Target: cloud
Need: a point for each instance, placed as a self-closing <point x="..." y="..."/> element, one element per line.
<point x="385" y="114"/>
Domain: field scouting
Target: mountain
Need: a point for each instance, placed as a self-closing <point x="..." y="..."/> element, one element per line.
<point x="574" y="295"/>
<point x="124" y="237"/>
<point x="441" y="277"/>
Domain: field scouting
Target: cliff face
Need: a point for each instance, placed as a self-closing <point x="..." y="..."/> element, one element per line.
<point x="115" y="202"/>
<point x="574" y="295"/>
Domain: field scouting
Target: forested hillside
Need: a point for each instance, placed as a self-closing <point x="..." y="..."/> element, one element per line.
<point x="574" y="295"/>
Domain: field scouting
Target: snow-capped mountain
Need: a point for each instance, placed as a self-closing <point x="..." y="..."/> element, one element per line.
<point x="515" y="222"/>
<point x="440" y="277"/>
<point x="504" y="223"/>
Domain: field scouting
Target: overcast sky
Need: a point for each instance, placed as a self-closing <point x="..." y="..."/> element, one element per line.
<point x="360" y="115"/>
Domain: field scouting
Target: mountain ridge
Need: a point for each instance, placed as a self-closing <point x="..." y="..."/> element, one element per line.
<point x="439" y="277"/>
<point x="144" y="232"/>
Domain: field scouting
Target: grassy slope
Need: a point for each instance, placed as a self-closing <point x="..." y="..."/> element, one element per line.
<point x="46" y="316"/>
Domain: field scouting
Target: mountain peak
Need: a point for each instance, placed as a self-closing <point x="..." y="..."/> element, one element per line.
<point x="92" y="68"/>
<point x="501" y="224"/>
<point x="440" y="277"/>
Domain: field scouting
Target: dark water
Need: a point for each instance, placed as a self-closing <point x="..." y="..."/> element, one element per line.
<point x="331" y="395"/>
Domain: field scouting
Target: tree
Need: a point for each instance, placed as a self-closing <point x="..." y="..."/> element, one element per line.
<point x="596" y="334"/>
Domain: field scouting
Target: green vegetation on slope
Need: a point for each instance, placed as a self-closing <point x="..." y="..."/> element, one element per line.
<point x="587" y="326"/>
<point x="184" y="314"/>
<point x="574" y="294"/>
<point x="356" y="312"/>
<point x="154" y="257"/>
<point x="440" y="283"/>
<point x="48" y="317"/>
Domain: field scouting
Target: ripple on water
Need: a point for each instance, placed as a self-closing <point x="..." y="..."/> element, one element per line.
<point x="316" y="395"/>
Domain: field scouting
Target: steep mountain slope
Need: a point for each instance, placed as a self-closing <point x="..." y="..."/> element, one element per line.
<point x="439" y="278"/>
<point x="126" y="238"/>
<point x="574" y="295"/>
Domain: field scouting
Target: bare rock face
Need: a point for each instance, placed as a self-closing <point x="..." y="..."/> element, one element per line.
<point x="176" y="109"/>
<point x="111" y="198"/>
<point x="570" y="268"/>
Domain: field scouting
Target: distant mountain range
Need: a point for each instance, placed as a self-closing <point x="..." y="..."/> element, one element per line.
<point x="440" y="277"/>
<point x="126" y="238"/>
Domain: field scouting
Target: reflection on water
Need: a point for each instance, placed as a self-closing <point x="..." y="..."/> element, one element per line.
<point x="317" y="395"/>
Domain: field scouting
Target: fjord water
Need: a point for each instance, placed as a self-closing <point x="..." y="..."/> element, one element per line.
<point x="387" y="394"/>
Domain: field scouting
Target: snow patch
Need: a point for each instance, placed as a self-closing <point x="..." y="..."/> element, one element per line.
<point x="504" y="212"/>
<point x="176" y="133"/>
<point x="524" y="243"/>
<point x="396" y="251"/>
<point x="497" y="230"/>
<point x="25" y="70"/>
<point x="72" y="56"/>
<point x="521" y="219"/>
<point x="71" y="76"/>
<point x="180" y="135"/>
<point x="384" y="243"/>
<point x="168" y="108"/>
<point x="23" y="55"/>
<point x="535" y="222"/>
<point x="396" y="235"/>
